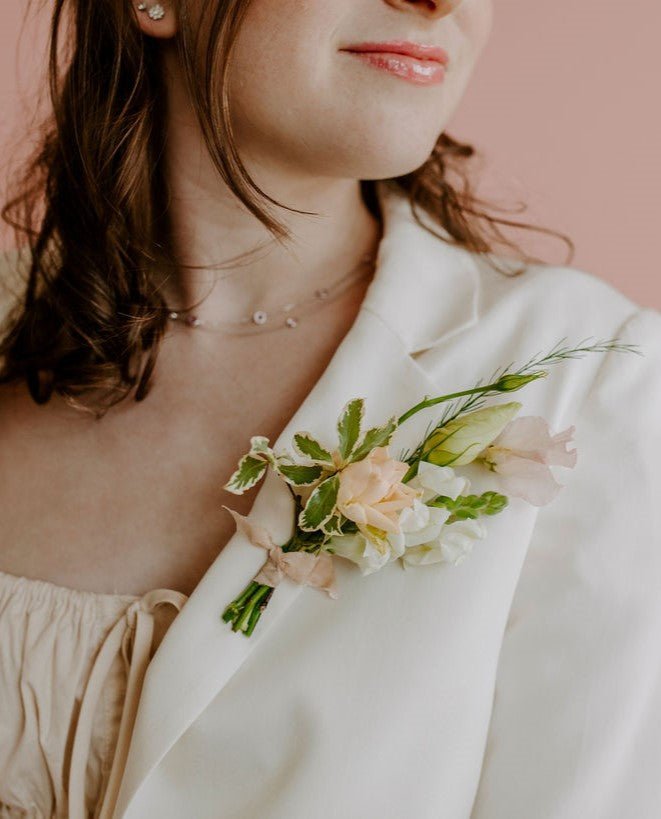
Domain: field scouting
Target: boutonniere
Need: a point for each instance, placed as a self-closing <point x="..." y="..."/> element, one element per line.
<point x="355" y="501"/>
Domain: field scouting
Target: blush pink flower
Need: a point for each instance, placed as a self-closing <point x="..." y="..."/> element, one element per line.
<point x="372" y="495"/>
<point x="522" y="454"/>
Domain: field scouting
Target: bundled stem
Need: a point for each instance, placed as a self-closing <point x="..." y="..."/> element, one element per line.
<point x="246" y="609"/>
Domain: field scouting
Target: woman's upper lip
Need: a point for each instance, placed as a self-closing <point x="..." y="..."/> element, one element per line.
<point x="418" y="50"/>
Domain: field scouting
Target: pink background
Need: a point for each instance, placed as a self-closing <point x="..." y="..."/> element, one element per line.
<point x="562" y="107"/>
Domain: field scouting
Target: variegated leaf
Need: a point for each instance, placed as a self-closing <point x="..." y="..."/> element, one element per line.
<point x="259" y="445"/>
<point x="309" y="447"/>
<point x="320" y="505"/>
<point x="249" y="471"/>
<point x="299" y="474"/>
<point x="332" y="525"/>
<point x="376" y="436"/>
<point x="348" y="425"/>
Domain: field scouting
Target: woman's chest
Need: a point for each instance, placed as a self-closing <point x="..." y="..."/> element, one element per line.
<point x="133" y="501"/>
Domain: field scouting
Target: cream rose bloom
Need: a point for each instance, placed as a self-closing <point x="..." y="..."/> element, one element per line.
<point x="372" y="495"/>
<point x="371" y="492"/>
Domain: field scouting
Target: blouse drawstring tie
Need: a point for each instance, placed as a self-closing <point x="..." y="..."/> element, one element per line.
<point x="133" y="635"/>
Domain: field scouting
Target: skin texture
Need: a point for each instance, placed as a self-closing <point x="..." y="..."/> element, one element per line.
<point x="133" y="502"/>
<point x="310" y="121"/>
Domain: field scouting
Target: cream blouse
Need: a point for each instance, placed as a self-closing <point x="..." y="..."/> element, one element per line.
<point x="71" y="669"/>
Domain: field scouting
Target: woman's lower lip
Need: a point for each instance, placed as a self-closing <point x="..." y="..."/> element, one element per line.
<point x="420" y="72"/>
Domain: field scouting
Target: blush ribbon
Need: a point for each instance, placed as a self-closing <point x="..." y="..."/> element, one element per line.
<point x="302" y="567"/>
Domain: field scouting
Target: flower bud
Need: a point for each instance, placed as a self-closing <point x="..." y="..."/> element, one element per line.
<point x="510" y="383"/>
<point x="461" y="440"/>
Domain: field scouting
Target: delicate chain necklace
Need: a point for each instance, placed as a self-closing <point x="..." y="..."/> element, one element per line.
<point x="285" y="316"/>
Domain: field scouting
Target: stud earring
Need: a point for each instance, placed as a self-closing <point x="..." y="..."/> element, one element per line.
<point x="155" y="12"/>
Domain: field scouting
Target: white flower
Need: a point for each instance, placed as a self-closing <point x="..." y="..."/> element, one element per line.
<point x="418" y="524"/>
<point x="438" y="480"/>
<point x="367" y="553"/>
<point x="425" y="537"/>
<point x="453" y="544"/>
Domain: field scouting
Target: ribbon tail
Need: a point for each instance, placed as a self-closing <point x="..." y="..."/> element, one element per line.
<point x="323" y="575"/>
<point x="256" y="534"/>
<point x="313" y="570"/>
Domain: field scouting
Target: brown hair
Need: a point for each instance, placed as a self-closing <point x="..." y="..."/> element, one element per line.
<point x="91" y="200"/>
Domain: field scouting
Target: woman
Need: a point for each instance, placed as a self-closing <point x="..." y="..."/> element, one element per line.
<point x="141" y="353"/>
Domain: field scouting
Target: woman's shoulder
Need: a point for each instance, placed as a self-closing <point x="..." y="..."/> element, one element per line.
<point x="564" y="300"/>
<point x="548" y="307"/>
<point x="575" y="292"/>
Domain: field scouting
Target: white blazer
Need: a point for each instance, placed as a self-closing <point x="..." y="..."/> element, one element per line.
<point x="523" y="683"/>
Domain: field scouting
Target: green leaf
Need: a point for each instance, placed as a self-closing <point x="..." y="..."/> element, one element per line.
<point x="376" y="436"/>
<point x="333" y="525"/>
<point x="299" y="474"/>
<point x="320" y="505"/>
<point x="309" y="447"/>
<point x="249" y="471"/>
<point x="348" y="425"/>
<point x="259" y="446"/>
<point x="259" y="443"/>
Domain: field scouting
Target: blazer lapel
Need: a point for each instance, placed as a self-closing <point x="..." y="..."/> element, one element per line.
<point x="417" y="296"/>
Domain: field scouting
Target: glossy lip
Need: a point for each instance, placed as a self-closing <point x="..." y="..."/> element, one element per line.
<point x="406" y="47"/>
<point x="411" y="69"/>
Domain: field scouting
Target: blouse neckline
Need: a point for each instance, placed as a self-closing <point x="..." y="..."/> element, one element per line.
<point x="42" y="590"/>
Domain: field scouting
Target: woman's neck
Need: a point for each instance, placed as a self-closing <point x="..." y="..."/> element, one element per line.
<point x="209" y="230"/>
<point x="211" y="227"/>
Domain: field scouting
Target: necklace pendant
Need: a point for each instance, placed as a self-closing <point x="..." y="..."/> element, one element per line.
<point x="259" y="316"/>
<point x="291" y="321"/>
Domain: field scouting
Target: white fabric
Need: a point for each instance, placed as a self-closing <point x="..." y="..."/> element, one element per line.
<point x="522" y="683"/>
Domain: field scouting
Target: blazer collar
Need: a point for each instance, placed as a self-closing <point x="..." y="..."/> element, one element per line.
<point x="421" y="291"/>
<point x="425" y="288"/>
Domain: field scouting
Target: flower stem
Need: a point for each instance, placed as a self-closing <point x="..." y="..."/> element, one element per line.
<point x="429" y="402"/>
<point x="245" y="610"/>
<point x="242" y="623"/>
<point x="234" y="609"/>
<point x="260" y="605"/>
